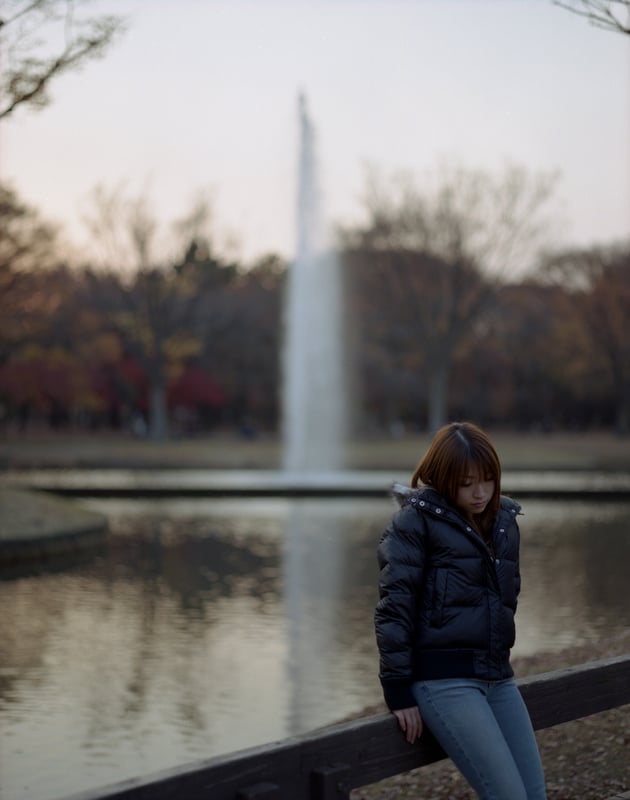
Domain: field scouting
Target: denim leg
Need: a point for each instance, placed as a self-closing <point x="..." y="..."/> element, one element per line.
<point x="512" y="717"/>
<point x="460" y="716"/>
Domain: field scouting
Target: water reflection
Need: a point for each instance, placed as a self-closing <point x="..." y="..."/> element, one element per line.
<point x="205" y="627"/>
<point x="329" y="609"/>
<point x="574" y="559"/>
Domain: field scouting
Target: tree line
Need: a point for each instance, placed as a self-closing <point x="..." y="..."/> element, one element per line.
<point x="437" y="324"/>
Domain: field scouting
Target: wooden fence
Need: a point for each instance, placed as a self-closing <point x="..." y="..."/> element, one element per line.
<point x="327" y="764"/>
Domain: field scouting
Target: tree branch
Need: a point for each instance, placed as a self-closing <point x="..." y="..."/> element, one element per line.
<point x="600" y="13"/>
<point x="26" y="10"/>
<point x="26" y="82"/>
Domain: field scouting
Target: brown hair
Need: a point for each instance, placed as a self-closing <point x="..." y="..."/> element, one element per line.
<point x="454" y="450"/>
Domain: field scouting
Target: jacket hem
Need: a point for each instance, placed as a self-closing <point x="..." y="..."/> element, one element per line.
<point x="436" y="664"/>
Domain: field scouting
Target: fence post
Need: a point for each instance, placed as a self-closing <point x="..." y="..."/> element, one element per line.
<point x="329" y="783"/>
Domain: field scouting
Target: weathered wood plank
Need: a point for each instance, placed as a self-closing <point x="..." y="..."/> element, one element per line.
<point x="328" y="763"/>
<point x="261" y="791"/>
<point x="556" y="697"/>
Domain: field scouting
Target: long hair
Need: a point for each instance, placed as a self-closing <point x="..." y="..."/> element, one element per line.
<point x="455" y="450"/>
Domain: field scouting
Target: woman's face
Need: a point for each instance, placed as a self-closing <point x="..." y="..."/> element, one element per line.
<point x="474" y="492"/>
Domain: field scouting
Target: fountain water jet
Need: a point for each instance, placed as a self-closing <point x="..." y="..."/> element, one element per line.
<point x="314" y="433"/>
<point x="314" y="413"/>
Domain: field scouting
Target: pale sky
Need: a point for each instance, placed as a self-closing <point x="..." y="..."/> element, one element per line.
<point x="201" y="95"/>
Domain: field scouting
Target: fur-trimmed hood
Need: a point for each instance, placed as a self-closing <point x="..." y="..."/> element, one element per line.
<point x="402" y="494"/>
<point x="406" y="495"/>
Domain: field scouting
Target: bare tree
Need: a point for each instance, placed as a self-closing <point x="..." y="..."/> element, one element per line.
<point x="162" y="309"/>
<point x="607" y="14"/>
<point x="124" y="230"/>
<point x="437" y="255"/>
<point x="598" y="282"/>
<point x="29" y="28"/>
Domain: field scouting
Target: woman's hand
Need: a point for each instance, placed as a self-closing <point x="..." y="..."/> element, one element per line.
<point x="410" y="722"/>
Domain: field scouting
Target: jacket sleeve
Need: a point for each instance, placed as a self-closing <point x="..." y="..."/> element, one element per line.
<point x="401" y="558"/>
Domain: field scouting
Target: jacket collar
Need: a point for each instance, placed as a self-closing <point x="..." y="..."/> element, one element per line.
<point x="427" y="498"/>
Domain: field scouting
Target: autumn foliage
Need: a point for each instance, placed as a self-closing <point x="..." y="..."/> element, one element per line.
<point x="86" y="347"/>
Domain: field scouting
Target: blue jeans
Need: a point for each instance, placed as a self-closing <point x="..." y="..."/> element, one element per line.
<point x="485" y="729"/>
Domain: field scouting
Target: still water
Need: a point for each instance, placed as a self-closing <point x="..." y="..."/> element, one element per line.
<point x="209" y="626"/>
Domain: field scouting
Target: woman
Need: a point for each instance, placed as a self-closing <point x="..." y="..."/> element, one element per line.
<point x="449" y="583"/>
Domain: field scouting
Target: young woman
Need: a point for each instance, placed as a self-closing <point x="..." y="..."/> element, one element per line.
<point x="449" y="583"/>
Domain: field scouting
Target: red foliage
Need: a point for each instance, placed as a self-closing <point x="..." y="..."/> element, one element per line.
<point x="194" y="388"/>
<point x="40" y="382"/>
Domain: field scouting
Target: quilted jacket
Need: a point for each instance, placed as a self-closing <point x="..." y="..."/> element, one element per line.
<point x="447" y="601"/>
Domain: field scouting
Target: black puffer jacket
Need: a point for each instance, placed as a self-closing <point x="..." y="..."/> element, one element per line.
<point x="447" y="603"/>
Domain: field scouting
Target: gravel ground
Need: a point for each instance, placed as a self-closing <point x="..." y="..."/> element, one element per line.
<point x="588" y="759"/>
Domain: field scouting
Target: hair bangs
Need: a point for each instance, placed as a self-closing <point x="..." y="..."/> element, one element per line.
<point x="457" y="451"/>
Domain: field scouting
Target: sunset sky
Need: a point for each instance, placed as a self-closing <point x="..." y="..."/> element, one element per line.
<point x="201" y="96"/>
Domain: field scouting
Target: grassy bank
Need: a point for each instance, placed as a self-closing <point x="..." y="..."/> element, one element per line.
<point x="223" y="451"/>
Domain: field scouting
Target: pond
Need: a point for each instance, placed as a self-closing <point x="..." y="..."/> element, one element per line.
<point x="207" y="626"/>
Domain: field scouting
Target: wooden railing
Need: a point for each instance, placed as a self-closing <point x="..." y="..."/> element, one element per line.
<point x="330" y="762"/>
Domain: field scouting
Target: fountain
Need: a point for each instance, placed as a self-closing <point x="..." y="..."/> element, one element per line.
<point x="314" y="414"/>
<point x="313" y="434"/>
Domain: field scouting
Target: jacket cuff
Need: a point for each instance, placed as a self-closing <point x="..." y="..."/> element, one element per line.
<point x="398" y="694"/>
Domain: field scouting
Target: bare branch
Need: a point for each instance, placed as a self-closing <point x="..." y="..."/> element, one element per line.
<point x="23" y="12"/>
<point x="601" y="13"/>
<point x="26" y="77"/>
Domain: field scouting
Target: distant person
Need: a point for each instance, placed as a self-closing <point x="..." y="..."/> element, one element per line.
<point x="449" y="583"/>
